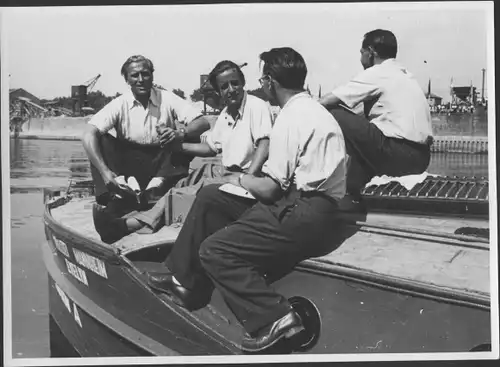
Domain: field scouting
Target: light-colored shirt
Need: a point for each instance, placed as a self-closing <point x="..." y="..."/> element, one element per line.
<point x="307" y="148"/>
<point x="132" y="122"/>
<point x="238" y="138"/>
<point x="393" y="101"/>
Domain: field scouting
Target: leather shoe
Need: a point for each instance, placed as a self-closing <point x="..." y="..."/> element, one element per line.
<point x="180" y="296"/>
<point x="286" y="327"/>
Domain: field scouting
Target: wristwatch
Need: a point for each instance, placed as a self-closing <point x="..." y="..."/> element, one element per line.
<point x="183" y="134"/>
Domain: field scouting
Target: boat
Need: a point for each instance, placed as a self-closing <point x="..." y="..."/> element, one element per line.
<point x="410" y="276"/>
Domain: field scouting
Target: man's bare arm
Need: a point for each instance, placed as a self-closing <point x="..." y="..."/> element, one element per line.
<point x="195" y="128"/>
<point x="197" y="149"/>
<point x="90" y="140"/>
<point x="260" y="156"/>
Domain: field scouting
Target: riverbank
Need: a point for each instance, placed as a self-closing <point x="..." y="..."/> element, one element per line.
<point x="455" y="134"/>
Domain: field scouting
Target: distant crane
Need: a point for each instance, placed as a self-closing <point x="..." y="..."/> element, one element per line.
<point x="79" y="94"/>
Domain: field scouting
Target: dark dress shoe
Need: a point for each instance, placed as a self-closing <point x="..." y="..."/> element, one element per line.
<point x="180" y="296"/>
<point x="286" y="327"/>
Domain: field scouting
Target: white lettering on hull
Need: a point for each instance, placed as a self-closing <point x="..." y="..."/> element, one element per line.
<point x="77" y="272"/>
<point x="65" y="299"/>
<point x="61" y="246"/>
<point x="90" y="262"/>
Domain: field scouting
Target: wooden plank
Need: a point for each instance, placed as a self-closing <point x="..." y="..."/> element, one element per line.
<point x="423" y="259"/>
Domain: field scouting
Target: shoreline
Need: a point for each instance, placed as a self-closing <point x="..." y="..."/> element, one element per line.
<point x="466" y="144"/>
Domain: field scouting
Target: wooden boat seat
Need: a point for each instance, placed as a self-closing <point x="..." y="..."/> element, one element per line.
<point x="440" y="261"/>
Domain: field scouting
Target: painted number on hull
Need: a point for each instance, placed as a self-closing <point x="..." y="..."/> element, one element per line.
<point x="67" y="303"/>
<point x="90" y="262"/>
<point x="62" y="247"/>
<point x="77" y="272"/>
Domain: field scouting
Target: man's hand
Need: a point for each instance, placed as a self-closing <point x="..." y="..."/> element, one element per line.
<point x="169" y="135"/>
<point x="114" y="184"/>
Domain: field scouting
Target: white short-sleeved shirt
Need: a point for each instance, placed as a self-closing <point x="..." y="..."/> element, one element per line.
<point x="238" y="139"/>
<point x="393" y="101"/>
<point x="134" y="123"/>
<point x="307" y="148"/>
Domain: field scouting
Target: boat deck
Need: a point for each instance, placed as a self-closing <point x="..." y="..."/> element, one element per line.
<point x="415" y="248"/>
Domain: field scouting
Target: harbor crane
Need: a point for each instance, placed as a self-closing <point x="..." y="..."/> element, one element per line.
<point x="79" y="94"/>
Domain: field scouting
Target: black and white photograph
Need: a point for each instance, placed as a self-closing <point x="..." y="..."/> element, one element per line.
<point x="249" y="182"/>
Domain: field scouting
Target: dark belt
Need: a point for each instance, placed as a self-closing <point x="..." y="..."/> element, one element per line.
<point x="309" y="194"/>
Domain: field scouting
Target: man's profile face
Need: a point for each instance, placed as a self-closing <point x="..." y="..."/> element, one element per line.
<point x="230" y="87"/>
<point x="140" y="78"/>
<point x="366" y="58"/>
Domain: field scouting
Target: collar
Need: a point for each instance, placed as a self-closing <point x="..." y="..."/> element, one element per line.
<point x="295" y="97"/>
<point x="241" y="109"/>
<point x="153" y="98"/>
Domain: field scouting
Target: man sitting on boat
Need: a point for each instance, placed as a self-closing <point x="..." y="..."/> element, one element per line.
<point x="229" y="242"/>
<point x="240" y="135"/>
<point x="395" y="135"/>
<point x="144" y="122"/>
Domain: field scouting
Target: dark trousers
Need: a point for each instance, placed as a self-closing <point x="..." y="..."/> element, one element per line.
<point x="212" y="210"/>
<point x="263" y="245"/>
<point x="142" y="162"/>
<point x="374" y="154"/>
<point x="127" y="159"/>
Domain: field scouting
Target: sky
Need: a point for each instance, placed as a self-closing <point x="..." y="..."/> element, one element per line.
<point x="47" y="50"/>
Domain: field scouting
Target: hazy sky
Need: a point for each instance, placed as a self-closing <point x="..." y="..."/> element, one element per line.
<point x="49" y="49"/>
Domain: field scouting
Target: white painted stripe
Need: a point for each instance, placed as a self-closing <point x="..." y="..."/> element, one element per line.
<point x="64" y="297"/>
<point x="77" y="315"/>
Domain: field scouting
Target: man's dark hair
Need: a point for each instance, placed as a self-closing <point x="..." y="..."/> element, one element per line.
<point x="383" y="42"/>
<point x="286" y="66"/>
<point x="136" y="58"/>
<point x="221" y="67"/>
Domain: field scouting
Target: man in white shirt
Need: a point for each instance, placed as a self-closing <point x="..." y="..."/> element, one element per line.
<point x="144" y="122"/>
<point x="297" y="195"/>
<point x="394" y="136"/>
<point x="240" y="134"/>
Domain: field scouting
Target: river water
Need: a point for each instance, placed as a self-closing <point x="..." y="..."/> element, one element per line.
<point x="36" y="164"/>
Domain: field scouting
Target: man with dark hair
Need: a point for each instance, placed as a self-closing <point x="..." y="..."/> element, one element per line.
<point x="242" y="247"/>
<point x="394" y="136"/>
<point x="240" y="134"/>
<point x="144" y="124"/>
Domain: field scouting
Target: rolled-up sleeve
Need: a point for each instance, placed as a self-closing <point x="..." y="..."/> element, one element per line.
<point x="364" y="86"/>
<point x="214" y="136"/>
<point x="184" y="111"/>
<point x="283" y="155"/>
<point x="261" y="123"/>
<point x="108" y="116"/>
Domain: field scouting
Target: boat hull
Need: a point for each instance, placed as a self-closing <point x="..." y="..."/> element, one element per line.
<point x="119" y="316"/>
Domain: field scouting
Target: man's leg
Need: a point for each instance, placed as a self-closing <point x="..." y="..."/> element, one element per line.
<point x="266" y="239"/>
<point x="404" y="157"/>
<point x="372" y="153"/>
<point x="364" y="143"/>
<point x="212" y="210"/>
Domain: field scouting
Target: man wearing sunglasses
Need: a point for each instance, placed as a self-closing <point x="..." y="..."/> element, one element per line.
<point x="241" y="247"/>
<point x="394" y="136"/>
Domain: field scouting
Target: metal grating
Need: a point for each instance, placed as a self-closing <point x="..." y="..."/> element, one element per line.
<point x="435" y="188"/>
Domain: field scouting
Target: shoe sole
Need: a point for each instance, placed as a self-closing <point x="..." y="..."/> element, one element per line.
<point x="287" y="335"/>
